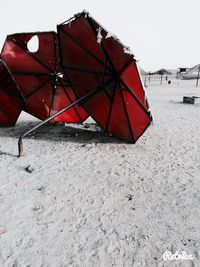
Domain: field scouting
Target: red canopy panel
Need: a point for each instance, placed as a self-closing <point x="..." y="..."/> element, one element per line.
<point x="40" y="77"/>
<point x="11" y="99"/>
<point x="93" y="59"/>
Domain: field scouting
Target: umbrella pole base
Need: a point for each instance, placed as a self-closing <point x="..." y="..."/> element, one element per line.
<point x="20" y="148"/>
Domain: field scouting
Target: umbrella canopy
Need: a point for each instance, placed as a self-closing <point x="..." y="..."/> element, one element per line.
<point x="40" y="77"/>
<point x="93" y="59"/>
<point x="11" y="99"/>
<point x="163" y="72"/>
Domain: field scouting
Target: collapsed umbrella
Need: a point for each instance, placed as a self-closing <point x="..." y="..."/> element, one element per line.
<point x="92" y="58"/>
<point x="40" y="77"/>
<point x="11" y="99"/>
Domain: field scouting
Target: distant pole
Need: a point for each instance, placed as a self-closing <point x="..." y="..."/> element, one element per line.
<point x="198" y="76"/>
<point x="145" y="82"/>
<point x="161" y="78"/>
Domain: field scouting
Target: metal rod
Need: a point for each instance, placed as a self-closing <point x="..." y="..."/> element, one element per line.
<point x="78" y="101"/>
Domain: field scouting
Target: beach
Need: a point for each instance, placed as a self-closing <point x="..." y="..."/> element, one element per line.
<point x="79" y="197"/>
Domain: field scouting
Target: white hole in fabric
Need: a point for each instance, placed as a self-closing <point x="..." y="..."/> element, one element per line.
<point x="33" y="44"/>
<point x="60" y="75"/>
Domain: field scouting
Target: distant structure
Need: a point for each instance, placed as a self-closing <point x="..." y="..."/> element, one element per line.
<point x="190" y="73"/>
<point x="162" y="72"/>
<point x="181" y="72"/>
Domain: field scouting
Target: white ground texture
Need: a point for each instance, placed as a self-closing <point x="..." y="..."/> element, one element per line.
<point x="88" y="199"/>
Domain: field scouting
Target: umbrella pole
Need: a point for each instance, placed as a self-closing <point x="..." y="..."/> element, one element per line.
<point x="78" y="101"/>
<point x="198" y="77"/>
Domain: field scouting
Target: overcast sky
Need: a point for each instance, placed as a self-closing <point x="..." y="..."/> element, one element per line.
<point x="160" y="33"/>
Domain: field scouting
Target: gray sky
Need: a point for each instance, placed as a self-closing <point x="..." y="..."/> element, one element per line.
<point x="160" y="33"/>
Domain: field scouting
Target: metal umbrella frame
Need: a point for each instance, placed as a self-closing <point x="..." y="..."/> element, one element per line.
<point x="92" y="58"/>
<point x="97" y="77"/>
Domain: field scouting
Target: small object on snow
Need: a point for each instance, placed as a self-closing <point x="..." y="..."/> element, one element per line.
<point x="188" y="100"/>
<point x="41" y="188"/>
<point x="37" y="208"/>
<point x="129" y="197"/>
<point x="29" y="169"/>
<point x="83" y="145"/>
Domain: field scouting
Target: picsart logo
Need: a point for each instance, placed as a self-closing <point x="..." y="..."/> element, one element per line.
<point x="168" y="256"/>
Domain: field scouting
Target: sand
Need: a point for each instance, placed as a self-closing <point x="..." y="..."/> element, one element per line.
<point x="81" y="198"/>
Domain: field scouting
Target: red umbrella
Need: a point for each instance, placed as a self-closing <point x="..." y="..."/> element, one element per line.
<point x="92" y="59"/>
<point x="40" y="77"/>
<point x="11" y="99"/>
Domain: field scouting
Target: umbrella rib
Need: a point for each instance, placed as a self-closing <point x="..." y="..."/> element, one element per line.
<point x="126" y="112"/>
<point x="31" y="55"/>
<point x="68" y="96"/>
<point x="30" y="73"/>
<point x="52" y="102"/>
<point x="71" y="86"/>
<point x="74" y="91"/>
<point x="103" y="78"/>
<point x="53" y="83"/>
<point x="83" y="47"/>
<point x="53" y="90"/>
<point x="13" y="80"/>
<point x="137" y="100"/>
<point x="55" y="54"/>
<point x="125" y="66"/>
<point x="36" y="89"/>
<point x="13" y="95"/>
<point x="83" y="70"/>
<point x="111" y="107"/>
<point x="104" y="70"/>
<point x="37" y="74"/>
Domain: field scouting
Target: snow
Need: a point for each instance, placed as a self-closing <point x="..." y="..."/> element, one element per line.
<point x="94" y="200"/>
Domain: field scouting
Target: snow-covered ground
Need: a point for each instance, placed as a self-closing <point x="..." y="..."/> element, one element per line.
<point x="81" y="198"/>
